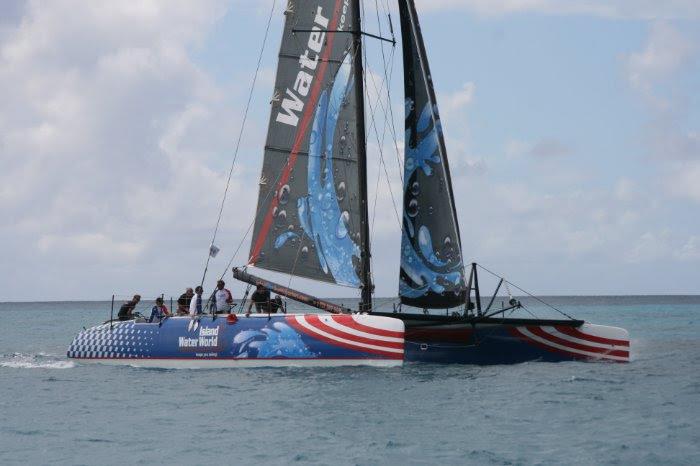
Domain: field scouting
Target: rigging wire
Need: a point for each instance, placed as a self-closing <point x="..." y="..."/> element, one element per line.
<point x="240" y="136"/>
<point x="387" y="78"/>
<point x="250" y="226"/>
<point x="386" y="81"/>
<point x="526" y="292"/>
<point x="373" y="124"/>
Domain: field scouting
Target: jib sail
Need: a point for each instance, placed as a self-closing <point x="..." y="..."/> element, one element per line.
<point x="432" y="272"/>
<point x="308" y="215"/>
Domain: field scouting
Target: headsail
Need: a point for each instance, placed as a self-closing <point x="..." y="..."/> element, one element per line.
<point x="432" y="271"/>
<point x="308" y="216"/>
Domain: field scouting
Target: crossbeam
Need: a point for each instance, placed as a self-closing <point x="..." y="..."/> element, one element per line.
<point x="307" y="299"/>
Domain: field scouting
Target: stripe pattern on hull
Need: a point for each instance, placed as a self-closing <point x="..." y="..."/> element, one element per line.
<point x="346" y="331"/>
<point x="588" y="342"/>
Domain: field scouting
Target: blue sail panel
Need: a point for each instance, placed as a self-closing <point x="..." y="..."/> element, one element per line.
<point x="432" y="269"/>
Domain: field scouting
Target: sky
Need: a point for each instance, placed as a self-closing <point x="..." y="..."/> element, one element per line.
<point x="572" y="129"/>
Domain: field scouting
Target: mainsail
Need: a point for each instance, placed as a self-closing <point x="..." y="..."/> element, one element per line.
<point x="308" y="220"/>
<point x="432" y="271"/>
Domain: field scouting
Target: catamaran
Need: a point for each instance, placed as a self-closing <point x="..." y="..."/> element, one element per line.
<point x="312" y="221"/>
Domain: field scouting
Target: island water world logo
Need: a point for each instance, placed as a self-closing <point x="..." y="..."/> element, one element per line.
<point x="204" y="338"/>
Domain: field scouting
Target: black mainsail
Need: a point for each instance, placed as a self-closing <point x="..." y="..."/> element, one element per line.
<point x="432" y="271"/>
<point x="311" y="214"/>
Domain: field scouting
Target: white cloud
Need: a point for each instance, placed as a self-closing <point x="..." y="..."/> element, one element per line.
<point x="650" y="246"/>
<point x="665" y="52"/>
<point x="112" y="142"/>
<point x="667" y="136"/>
<point x="92" y="246"/>
<point x="546" y="148"/>
<point x="616" y="9"/>
<point x="454" y="108"/>
<point x="690" y="250"/>
<point x="452" y="103"/>
<point x="625" y="190"/>
<point x="664" y="246"/>
<point x="683" y="181"/>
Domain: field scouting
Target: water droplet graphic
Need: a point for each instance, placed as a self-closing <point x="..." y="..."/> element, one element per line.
<point x="326" y="201"/>
<point x="343" y="139"/>
<point x="341" y="230"/>
<point x="410" y="165"/>
<point x="415" y="188"/>
<point x="340" y="194"/>
<point x="281" y="218"/>
<point x="305" y="252"/>
<point x="412" y="209"/>
<point x="284" y="194"/>
<point x="448" y="249"/>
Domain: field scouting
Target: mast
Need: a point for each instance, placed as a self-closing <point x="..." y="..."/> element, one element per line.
<point x="365" y="272"/>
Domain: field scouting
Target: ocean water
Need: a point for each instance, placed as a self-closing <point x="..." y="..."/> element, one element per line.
<point x="53" y="411"/>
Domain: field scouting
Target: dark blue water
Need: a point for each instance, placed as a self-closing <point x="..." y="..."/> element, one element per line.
<point x="645" y="412"/>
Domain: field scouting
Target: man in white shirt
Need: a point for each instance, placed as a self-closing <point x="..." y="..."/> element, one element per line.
<point x="196" y="303"/>
<point x="222" y="298"/>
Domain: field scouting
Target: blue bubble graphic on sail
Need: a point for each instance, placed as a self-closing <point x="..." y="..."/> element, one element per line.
<point x="319" y="212"/>
<point x="420" y="264"/>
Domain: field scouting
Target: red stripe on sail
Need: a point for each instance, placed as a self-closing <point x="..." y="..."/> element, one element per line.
<point x="569" y="344"/>
<point x="584" y="336"/>
<point x="316" y="321"/>
<point x="301" y="133"/>
<point x="348" y="321"/>
<point x="305" y="331"/>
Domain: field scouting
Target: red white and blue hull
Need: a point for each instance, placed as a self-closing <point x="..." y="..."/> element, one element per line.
<point x="255" y="341"/>
<point x="438" y="339"/>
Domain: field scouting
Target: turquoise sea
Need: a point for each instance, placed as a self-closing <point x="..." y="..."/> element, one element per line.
<point x="53" y="411"/>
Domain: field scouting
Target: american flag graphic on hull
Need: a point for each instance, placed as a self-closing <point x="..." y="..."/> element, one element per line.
<point x="346" y="331"/>
<point x="592" y="342"/>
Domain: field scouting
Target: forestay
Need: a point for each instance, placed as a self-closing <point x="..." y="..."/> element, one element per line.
<point x="432" y="272"/>
<point x="308" y="215"/>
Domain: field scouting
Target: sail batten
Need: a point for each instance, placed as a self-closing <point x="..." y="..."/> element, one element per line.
<point x="309" y="213"/>
<point x="432" y="270"/>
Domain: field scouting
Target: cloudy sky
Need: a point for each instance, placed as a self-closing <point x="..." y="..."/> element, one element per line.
<point x="572" y="126"/>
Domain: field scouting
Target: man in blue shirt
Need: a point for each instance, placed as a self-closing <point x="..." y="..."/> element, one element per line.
<point x="159" y="311"/>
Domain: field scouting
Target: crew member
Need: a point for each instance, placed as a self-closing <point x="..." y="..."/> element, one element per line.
<point x="183" y="302"/>
<point x="261" y="299"/>
<point x="196" y="301"/>
<point x="276" y="304"/>
<point x="223" y="300"/>
<point x="159" y="311"/>
<point x="126" y="312"/>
